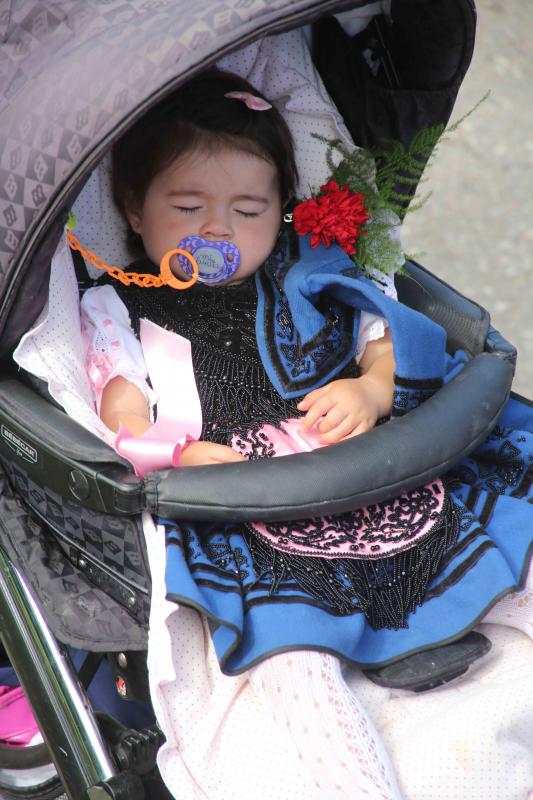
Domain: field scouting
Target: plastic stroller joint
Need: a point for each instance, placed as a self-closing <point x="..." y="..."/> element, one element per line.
<point x="133" y="750"/>
<point x="125" y="786"/>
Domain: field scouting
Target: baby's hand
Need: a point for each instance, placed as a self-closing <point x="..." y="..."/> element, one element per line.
<point x="345" y="408"/>
<point x="199" y="454"/>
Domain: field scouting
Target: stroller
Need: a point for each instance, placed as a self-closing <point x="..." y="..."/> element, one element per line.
<point x="74" y="577"/>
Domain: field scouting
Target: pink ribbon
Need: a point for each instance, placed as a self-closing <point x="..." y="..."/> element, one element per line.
<point x="179" y="413"/>
<point x="250" y="100"/>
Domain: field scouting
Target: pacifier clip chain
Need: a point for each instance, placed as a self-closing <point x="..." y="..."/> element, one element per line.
<point x="146" y="281"/>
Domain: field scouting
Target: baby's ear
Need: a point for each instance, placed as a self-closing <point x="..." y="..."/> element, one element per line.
<point x="133" y="212"/>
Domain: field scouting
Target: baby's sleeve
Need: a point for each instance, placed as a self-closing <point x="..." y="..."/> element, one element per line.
<point x="371" y="326"/>
<point x="111" y="347"/>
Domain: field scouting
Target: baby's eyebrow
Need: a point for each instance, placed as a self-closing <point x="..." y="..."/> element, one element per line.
<point x="254" y="197"/>
<point x="185" y="193"/>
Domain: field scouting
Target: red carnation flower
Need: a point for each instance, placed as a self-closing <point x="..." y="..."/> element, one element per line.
<point x="336" y="215"/>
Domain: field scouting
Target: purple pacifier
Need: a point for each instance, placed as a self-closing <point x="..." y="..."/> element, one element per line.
<point x="217" y="261"/>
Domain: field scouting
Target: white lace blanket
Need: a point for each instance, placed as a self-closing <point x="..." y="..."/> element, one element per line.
<point x="472" y="738"/>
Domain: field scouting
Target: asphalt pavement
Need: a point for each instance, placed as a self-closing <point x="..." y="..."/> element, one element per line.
<point x="476" y="231"/>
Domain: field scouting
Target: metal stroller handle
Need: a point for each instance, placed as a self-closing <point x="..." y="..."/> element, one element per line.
<point x="74" y="741"/>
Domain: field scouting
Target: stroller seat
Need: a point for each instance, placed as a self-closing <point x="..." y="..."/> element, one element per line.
<point x="74" y="567"/>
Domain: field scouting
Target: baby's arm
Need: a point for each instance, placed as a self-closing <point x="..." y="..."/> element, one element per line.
<point x="118" y="378"/>
<point x="123" y="402"/>
<point x="350" y="406"/>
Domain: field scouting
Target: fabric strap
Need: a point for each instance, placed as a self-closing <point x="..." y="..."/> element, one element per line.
<point x="179" y="413"/>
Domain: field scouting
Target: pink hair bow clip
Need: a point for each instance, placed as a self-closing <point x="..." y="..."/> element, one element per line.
<point x="249" y="100"/>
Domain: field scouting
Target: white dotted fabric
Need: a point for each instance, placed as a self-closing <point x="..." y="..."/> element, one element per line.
<point x="54" y="351"/>
<point x="268" y="734"/>
<point x="472" y="738"/>
<point x="220" y="743"/>
<point x="323" y="724"/>
<point x="99" y="226"/>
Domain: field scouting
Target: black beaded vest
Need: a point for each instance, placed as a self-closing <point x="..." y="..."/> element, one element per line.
<point x="235" y="392"/>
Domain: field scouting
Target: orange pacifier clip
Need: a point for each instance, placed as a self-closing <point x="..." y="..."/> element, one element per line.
<point x="165" y="278"/>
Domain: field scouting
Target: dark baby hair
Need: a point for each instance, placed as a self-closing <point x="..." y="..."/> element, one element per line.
<point x="197" y="116"/>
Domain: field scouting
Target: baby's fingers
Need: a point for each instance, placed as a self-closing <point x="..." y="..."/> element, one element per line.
<point x="336" y="432"/>
<point x="319" y="408"/>
<point x="362" y="427"/>
<point x="334" y="417"/>
<point x="306" y="402"/>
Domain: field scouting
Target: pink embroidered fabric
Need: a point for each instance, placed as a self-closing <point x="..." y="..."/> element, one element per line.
<point x="373" y="532"/>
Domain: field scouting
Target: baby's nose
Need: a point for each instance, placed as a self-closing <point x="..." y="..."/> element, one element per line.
<point x="218" y="226"/>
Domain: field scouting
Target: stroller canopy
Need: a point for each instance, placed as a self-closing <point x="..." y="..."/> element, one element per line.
<point x="75" y="74"/>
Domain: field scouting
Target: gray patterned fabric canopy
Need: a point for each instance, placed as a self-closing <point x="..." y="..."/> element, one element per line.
<point x="75" y="73"/>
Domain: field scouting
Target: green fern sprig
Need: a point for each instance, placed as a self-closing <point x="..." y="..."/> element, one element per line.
<point x="386" y="176"/>
<point x="376" y="248"/>
<point x="400" y="168"/>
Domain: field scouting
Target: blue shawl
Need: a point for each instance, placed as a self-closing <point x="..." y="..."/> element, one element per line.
<point x="308" y="311"/>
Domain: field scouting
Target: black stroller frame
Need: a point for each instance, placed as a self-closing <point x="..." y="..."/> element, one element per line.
<point x="45" y="454"/>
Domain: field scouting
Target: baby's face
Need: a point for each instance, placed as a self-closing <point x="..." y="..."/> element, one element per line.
<point x="228" y="195"/>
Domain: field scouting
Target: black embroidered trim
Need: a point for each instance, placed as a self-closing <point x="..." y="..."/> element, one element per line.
<point x="220" y="587"/>
<point x="386" y="590"/>
<point x="473" y="497"/>
<point x="404" y="400"/>
<point x="461" y="570"/>
<point x="228" y="575"/>
<point x="488" y="508"/>
<point x="461" y="546"/>
<point x="375" y="527"/>
<point x="173" y="543"/>
<point x="502" y="469"/>
<point x="291" y="600"/>
<point x="418" y="383"/>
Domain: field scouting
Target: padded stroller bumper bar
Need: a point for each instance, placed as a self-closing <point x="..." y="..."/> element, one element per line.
<point x="342" y="477"/>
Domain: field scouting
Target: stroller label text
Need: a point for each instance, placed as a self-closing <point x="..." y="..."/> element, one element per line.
<point x="21" y="448"/>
